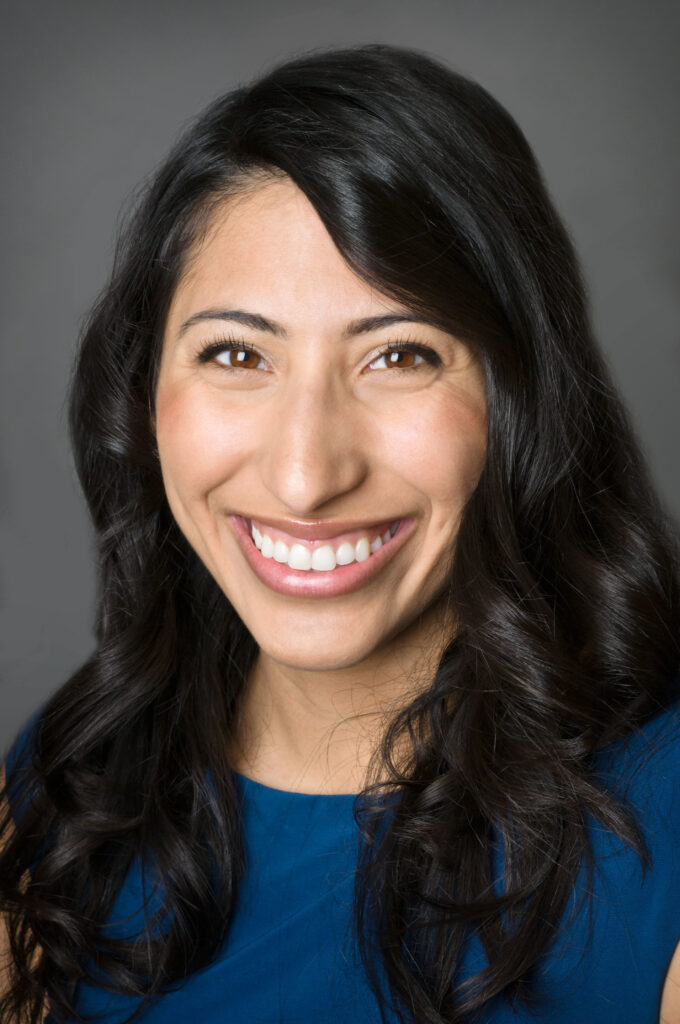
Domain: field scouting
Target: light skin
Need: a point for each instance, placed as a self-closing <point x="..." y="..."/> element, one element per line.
<point x="317" y="426"/>
<point x="316" y="434"/>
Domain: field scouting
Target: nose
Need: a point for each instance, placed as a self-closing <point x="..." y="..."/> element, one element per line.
<point x="314" y="451"/>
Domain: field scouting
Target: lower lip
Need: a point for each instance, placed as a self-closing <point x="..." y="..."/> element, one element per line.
<point x="309" y="583"/>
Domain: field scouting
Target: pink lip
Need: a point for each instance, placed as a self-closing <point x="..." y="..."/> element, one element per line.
<point x="322" y="529"/>
<point x="301" y="583"/>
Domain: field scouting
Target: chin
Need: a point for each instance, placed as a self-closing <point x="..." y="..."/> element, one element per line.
<point x="314" y="654"/>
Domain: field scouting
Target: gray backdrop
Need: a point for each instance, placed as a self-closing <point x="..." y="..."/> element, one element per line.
<point x="94" y="93"/>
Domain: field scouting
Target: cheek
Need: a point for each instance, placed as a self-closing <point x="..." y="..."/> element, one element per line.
<point x="200" y="441"/>
<point x="439" y="446"/>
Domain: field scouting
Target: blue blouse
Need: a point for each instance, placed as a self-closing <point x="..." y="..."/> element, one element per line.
<point x="290" y="957"/>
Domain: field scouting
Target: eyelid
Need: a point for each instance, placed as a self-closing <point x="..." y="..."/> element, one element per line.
<point x="429" y="354"/>
<point x="207" y="352"/>
<point x="229" y="343"/>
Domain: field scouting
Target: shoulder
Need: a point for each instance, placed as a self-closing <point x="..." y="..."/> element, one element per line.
<point x="15" y="777"/>
<point x="612" y="951"/>
<point x="637" y="905"/>
<point x="643" y="770"/>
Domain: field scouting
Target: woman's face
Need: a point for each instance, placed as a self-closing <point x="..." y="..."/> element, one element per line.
<point x="286" y="428"/>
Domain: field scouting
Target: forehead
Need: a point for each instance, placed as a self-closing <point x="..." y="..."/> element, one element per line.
<point x="267" y="249"/>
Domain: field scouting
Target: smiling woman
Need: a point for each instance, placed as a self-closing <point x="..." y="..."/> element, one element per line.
<point x="331" y="456"/>
<point x="382" y="722"/>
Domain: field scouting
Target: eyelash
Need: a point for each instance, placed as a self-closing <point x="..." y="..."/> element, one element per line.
<point x="230" y="344"/>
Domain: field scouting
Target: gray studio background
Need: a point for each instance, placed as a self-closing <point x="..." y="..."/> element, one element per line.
<point x="93" y="95"/>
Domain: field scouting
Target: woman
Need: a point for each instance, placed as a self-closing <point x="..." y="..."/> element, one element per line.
<point x="375" y="538"/>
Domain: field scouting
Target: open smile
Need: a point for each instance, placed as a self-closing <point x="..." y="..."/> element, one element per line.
<point x="325" y="566"/>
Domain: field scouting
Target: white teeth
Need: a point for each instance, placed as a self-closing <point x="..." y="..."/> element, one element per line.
<point x="281" y="551"/>
<point x="267" y="546"/>
<point x="345" y="553"/>
<point x="363" y="549"/>
<point x="322" y="559"/>
<point x="300" y="557"/>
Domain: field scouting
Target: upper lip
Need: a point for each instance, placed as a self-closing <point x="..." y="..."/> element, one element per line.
<point x="321" y="529"/>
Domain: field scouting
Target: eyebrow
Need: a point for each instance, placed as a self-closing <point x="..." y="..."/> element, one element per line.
<point x="261" y="323"/>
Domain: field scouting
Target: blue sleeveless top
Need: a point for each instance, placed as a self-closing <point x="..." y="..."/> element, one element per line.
<point x="290" y="956"/>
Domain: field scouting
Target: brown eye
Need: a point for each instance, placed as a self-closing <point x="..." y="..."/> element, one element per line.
<point x="230" y="354"/>
<point x="403" y="359"/>
<point x="239" y="357"/>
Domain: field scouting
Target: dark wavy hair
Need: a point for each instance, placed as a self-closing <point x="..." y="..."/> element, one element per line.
<point x="565" y="582"/>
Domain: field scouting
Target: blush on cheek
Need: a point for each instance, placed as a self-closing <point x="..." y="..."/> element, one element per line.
<point x="201" y="442"/>
<point x="441" y="451"/>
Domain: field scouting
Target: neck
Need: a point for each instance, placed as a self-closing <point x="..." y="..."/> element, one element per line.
<point x="317" y="731"/>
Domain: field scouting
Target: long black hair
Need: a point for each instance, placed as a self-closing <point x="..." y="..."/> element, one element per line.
<point x="564" y="585"/>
